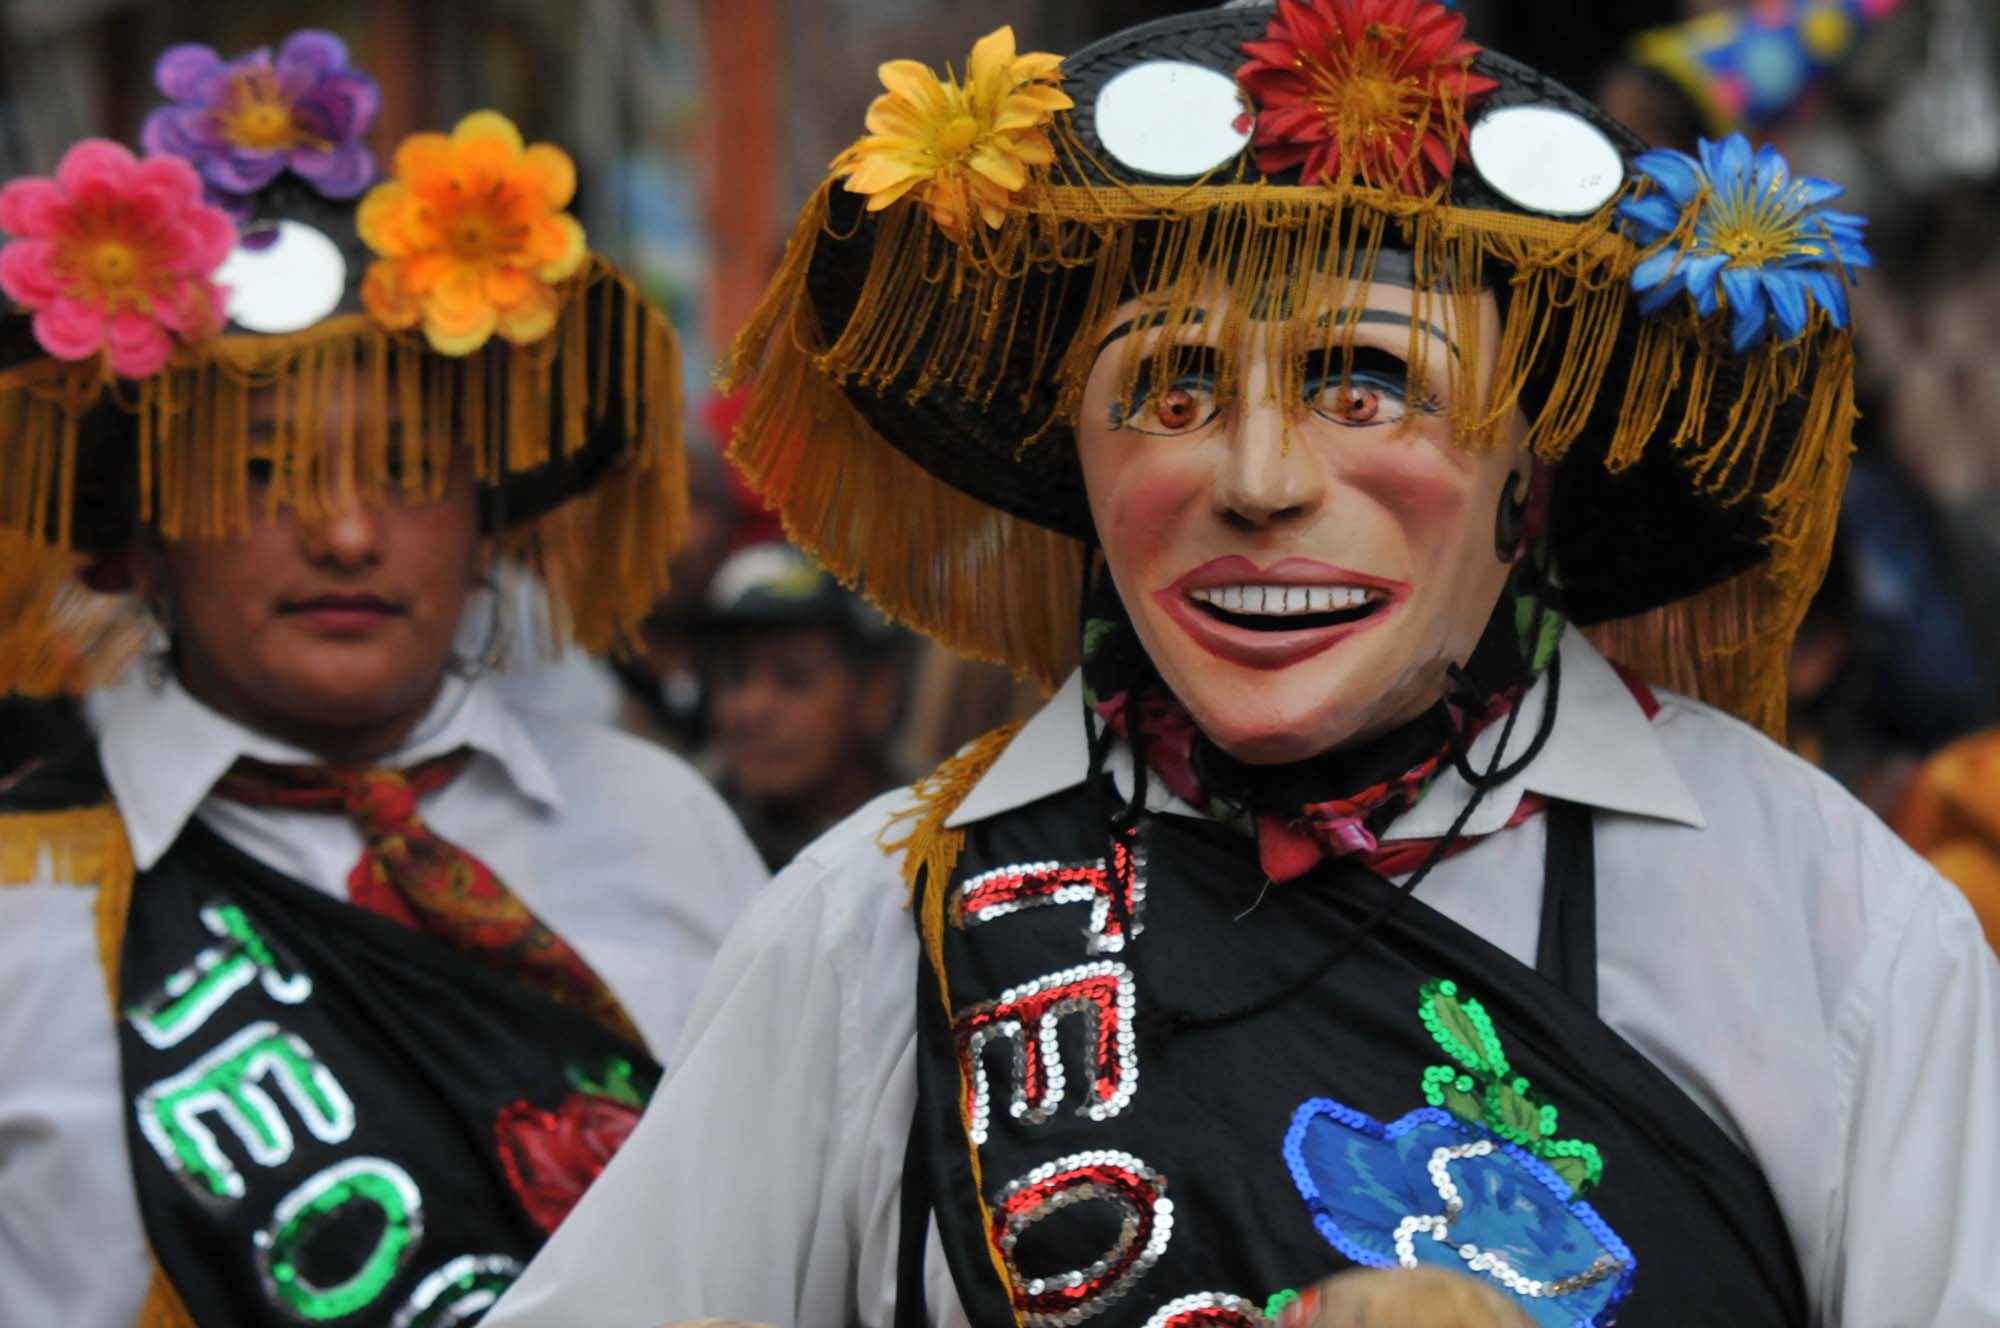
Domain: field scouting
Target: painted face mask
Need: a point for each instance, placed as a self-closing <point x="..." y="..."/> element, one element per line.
<point x="1302" y="563"/>
<point x="1303" y="554"/>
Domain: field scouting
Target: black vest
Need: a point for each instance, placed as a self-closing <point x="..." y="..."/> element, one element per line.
<point x="1429" y="1100"/>
<point x="332" y="1118"/>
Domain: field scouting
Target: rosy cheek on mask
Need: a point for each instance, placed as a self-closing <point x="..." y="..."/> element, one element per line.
<point x="1405" y="478"/>
<point x="1149" y="499"/>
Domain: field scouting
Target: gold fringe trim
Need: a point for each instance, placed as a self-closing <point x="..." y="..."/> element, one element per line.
<point x="346" y="409"/>
<point x="980" y="582"/>
<point x="930" y="853"/>
<point x="163" y="1307"/>
<point x="1712" y="646"/>
<point x="88" y="847"/>
<point x="971" y="313"/>
<point x="84" y="847"/>
<point x="56" y="638"/>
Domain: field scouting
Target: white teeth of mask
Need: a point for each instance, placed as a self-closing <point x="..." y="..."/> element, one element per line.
<point x="1282" y="600"/>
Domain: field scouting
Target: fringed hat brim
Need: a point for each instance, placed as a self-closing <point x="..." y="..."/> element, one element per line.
<point x="575" y="441"/>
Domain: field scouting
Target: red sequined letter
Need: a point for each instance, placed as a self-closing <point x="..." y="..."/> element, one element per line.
<point x="1027" y="1016"/>
<point x="1145" y="1220"/>
<point x="1004" y="890"/>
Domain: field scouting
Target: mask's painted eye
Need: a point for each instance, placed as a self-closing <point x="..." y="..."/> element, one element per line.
<point x="1179" y="409"/>
<point x="1186" y="404"/>
<point x="1372" y="390"/>
<point x="1352" y="404"/>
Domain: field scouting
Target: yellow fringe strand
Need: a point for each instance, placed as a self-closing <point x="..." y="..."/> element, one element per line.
<point x="973" y="313"/>
<point x="348" y="409"/>
<point x="930" y="853"/>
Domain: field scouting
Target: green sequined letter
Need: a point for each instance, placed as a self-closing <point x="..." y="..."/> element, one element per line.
<point x="358" y="1180"/>
<point x="225" y="1084"/>
<point x="197" y="991"/>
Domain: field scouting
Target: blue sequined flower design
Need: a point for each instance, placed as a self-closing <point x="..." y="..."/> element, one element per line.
<point x="1432" y="1188"/>
<point x="1764" y="242"/>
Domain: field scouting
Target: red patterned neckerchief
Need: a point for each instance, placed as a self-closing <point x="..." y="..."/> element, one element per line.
<point x="409" y="873"/>
<point x="1289" y="846"/>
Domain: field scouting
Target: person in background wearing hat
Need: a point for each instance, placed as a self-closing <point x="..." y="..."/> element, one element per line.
<point x="327" y="980"/>
<point x="805" y="685"/>
<point x="1313" y="377"/>
<point x="650" y="685"/>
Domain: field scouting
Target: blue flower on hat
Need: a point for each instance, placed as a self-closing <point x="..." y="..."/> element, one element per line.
<point x="1764" y="243"/>
<point x="1431" y="1188"/>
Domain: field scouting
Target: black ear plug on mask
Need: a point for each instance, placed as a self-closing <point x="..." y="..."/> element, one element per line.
<point x="1510" y="524"/>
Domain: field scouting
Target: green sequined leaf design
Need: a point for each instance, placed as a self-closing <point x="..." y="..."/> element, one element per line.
<point x="1481" y="1088"/>
<point x="1095" y="633"/>
<point x="615" y="1084"/>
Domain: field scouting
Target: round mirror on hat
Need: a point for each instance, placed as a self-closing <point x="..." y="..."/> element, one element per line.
<point x="1172" y="119"/>
<point x="291" y="277"/>
<point x="1547" y="159"/>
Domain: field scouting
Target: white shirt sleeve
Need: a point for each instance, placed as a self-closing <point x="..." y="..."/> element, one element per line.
<point x="748" y="1188"/>
<point x="71" y="1248"/>
<point x="1918" y="1229"/>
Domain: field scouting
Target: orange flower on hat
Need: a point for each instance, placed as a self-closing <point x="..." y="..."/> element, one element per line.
<point x="958" y="149"/>
<point x="472" y="236"/>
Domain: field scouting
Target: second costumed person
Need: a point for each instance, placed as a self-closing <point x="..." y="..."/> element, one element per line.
<point x="330" y="978"/>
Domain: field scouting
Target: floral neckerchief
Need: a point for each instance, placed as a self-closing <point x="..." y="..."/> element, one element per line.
<point x="1340" y="803"/>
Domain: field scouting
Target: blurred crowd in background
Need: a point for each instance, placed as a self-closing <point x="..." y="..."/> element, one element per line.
<point x="699" y="125"/>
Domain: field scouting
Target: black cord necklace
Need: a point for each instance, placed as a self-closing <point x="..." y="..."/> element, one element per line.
<point x="1123" y="820"/>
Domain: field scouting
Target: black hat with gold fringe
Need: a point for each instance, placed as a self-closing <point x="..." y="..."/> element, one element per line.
<point x="246" y="320"/>
<point x="1674" y="329"/>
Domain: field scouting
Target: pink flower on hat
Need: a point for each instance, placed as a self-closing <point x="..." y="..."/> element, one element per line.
<point x="115" y="254"/>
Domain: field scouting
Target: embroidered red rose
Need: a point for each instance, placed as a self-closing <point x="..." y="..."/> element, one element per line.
<point x="551" y="1157"/>
<point x="1374" y="90"/>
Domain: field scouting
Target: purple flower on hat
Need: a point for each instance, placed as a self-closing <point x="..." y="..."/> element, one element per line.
<point x="243" y="122"/>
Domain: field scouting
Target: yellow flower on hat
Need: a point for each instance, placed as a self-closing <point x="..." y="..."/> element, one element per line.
<point x="953" y="148"/>
<point x="472" y="236"/>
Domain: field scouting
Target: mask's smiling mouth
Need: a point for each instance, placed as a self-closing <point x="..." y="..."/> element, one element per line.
<point x="1277" y="616"/>
<point x="1287" y="608"/>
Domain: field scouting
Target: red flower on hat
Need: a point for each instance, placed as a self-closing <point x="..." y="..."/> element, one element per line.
<point x="1368" y="89"/>
<point x="115" y="254"/>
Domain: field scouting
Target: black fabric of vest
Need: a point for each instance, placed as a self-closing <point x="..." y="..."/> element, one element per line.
<point x="1212" y="1106"/>
<point x="429" y="1047"/>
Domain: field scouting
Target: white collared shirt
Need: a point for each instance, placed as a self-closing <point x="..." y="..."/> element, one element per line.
<point x="1814" y="986"/>
<point x="618" y="846"/>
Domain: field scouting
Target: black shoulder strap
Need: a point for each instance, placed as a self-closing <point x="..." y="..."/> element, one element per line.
<point x="1566" y="954"/>
<point x="914" y="1227"/>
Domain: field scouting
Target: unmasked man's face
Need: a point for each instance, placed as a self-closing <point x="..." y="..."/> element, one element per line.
<point x="1302" y="573"/>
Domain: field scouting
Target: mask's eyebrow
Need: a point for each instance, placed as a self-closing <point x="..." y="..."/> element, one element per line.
<point x="1393" y="319"/>
<point x="1144" y="321"/>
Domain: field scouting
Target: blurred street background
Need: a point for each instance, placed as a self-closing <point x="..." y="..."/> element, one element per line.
<point x="699" y="126"/>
